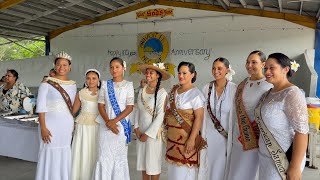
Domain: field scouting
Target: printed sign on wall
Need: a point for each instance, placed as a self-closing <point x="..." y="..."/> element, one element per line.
<point x="159" y="12"/>
<point x="153" y="47"/>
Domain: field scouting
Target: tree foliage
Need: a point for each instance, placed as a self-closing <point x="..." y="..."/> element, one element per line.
<point x="21" y="49"/>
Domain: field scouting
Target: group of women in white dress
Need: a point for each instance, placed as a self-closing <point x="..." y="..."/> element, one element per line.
<point x="224" y="132"/>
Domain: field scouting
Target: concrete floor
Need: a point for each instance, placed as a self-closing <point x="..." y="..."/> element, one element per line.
<point x="15" y="169"/>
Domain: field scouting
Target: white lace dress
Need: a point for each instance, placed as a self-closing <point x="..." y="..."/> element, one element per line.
<point x="218" y="146"/>
<point x="84" y="145"/>
<point x="244" y="164"/>
<point x="283" y="113"/>
<point x="149" y="153"/>
<point x="112" y="160"/>
<point x="54" y="161"/>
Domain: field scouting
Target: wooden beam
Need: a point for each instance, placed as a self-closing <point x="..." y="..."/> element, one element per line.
<point x="307" y="21"/>
<point x="261" y="4"/>
<point x="9" y="3"/>
<point x="280" y="5"/>
<point x="243" y="3"/>
<point x="57" y="32"/>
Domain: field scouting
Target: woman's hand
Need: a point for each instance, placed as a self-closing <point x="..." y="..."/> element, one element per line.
<point x="137" y="132"/>
<point x="112" y="126"/>
<point x="115" y="129"/>
<point x="189" y="146"/>
<point x="143" y="138"/>
<point x="46" y="135"/>
<point x="293" y="173"/>
<point x="111" y="123"/>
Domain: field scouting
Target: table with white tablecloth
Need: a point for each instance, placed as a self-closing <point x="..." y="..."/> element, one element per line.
<point x="19" y="139"/>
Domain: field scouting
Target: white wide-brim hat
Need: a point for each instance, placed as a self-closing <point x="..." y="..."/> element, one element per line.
<point x="157" y="67"/>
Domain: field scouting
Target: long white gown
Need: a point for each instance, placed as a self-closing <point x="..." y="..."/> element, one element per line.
<point x="112" y="160"/>
<point x="84" y="145"/>
<point x="283" y="112"/>
<point x="219" y="147"/>
<point x="244" y="164"/>
<point x="149" y="153"/>
<point x="54" y="161"/>
<point x="191" y="99"/>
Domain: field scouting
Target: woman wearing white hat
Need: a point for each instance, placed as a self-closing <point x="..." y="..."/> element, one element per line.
<point x="84" y="145"/>
<point x="149" y="118"/>
<point x="54" y="105"/>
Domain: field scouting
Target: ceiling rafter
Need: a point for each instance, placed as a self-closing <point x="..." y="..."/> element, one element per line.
<point x="105" y="4"/>
<point x="8" y="26"/>
<point x="9" y="3"/>
<point x="123" y="3"/>
<point x="50" y="21"/>
<point x="223" y="4"/>
<point x="70" y="7"/>
<point x="57" y="32"/>
<point x="243" y="3"/>
<point x="280" y="5"/>
<point x="261" y="4"/>
<point x="17" y="37"/>
<point x="17" y="14"/>
<point x="210" y="2"/>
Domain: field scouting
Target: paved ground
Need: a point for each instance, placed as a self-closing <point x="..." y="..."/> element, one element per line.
<point x="14" y="169"/>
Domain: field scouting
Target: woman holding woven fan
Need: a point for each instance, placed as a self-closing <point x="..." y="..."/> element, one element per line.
<point x="151" y="103"/>
<point x="185" y="150"/>
<point x="218" y="118"/>
<point x="282" y="117"/>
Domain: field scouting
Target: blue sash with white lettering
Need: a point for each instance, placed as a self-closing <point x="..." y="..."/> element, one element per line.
<point x="115" y="106"/>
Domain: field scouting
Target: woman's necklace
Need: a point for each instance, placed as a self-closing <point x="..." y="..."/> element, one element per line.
<point x="151" y="88"/>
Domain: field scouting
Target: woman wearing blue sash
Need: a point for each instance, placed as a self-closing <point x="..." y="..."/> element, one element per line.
<point x="115" y="103"/>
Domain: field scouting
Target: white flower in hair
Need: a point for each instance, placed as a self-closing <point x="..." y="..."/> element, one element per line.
<point x="159" y="65"/>
<point x="124" y="65"/>
<point x="230" y="74"/>
<point x="294" y="65"/>
<point x="64" y="55"/>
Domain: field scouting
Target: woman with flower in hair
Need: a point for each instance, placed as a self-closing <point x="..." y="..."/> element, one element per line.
<point x="151" y="103"/>
<point x="84" y="145"/>
<point x="54" y="106"/>
<point x="218" y="118"/>
<point x="185" y="150"/>
<point x="115" y="103"/>
<point x="244" y="154"/>
<point x="282" y="117"/>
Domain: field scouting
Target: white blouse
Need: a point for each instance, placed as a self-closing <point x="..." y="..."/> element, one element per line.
<point x="191" y="99"/>
<point x="252" y="93"/>
<point x="124" y="93"/>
